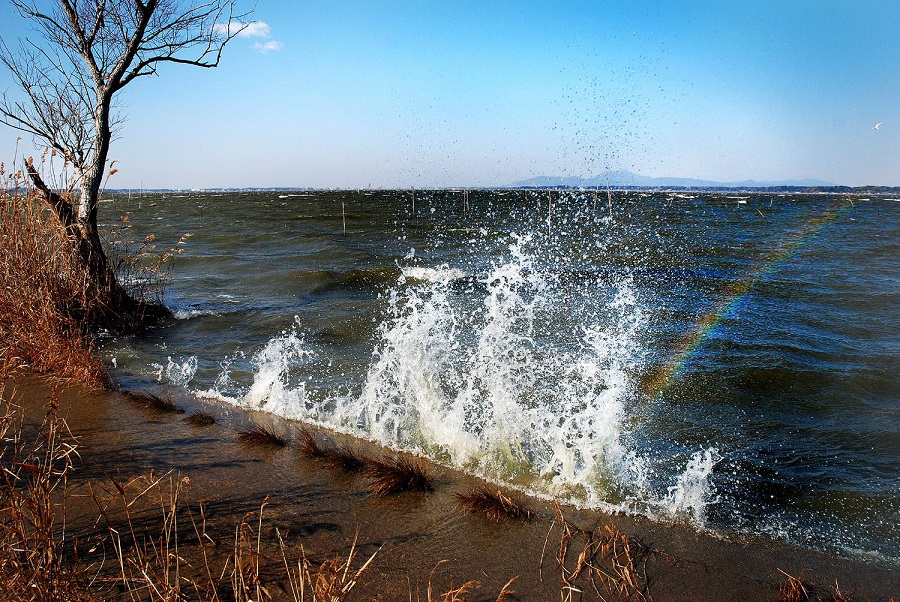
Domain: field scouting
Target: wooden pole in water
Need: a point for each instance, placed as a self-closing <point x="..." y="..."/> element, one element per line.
<point x="414" y="202"/>
<point x="344" y="218"/>
<point x="609" y="198"/>
<point x="549" y="213"/>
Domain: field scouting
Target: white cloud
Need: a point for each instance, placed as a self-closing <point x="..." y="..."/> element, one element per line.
<point x="254" y="29"/>
<point x="270" y="46"/>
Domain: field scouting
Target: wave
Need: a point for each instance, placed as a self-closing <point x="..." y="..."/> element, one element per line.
<point x="469" y="379"/>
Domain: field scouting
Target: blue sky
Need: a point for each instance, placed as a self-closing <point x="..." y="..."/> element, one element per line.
<point x="402" y="94"/>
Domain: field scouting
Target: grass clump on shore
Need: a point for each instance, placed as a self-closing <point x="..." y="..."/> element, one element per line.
<point x="337" y="457"/>
<point x="200" y="418"/>
<point x="47" y="295"/>
<point x="396" y="475"/>
<point x="261" y="436"/>
<point x="149" y="401"/>
<point x="493" y="504"/>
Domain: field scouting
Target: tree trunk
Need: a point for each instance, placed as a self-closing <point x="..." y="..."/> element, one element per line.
<point x="119" y="312"/>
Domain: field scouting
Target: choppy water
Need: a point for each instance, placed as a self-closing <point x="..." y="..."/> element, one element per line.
<point x="728" y="362"/>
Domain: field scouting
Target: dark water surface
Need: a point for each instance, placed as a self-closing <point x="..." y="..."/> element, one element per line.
<point x="730" y="363"/>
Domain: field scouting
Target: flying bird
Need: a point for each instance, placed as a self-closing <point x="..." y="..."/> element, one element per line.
<point x="877" y="126"/>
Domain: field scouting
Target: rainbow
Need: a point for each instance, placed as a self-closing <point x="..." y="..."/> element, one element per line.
<point x="662" y="378"/>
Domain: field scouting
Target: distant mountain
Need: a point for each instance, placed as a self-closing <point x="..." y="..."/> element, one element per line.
<point x="627" y="178"/>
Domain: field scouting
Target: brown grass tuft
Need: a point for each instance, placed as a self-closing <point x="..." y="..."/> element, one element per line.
<point x="339" y="457"/>
<point x="493" y="504"/>
<point x="309" y="447"/>
<point x="200" y="419"/>
<point x="396" y="475"/>
<point x="149" y="401"/>
<point x="261" y="436"/>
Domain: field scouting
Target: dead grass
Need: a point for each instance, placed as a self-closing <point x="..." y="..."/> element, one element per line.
<point x="337" y="457"/>
<point x="606" y="558"/>
<point x="36" y="552"/>
<point x="462" y="592"/>
<point x="149" y="401"/>
<point x="398" y="474"/>
<point x="493" y="504"/>
<point x="796" y="589"/>
<point x="261" y="436"/>
<point x="200" y="419"/>
<point x="50" y="305"/>
<point x="330" y="580"/>
<point x="47" y="295"/>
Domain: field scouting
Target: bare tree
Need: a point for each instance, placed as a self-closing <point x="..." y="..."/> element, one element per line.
<point x="85" y="52"/>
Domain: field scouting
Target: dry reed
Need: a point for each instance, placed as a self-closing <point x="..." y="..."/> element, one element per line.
<point x="331" y="580"/>
<point x="796" y="589"/>
<point x="606" y="557"/>
<point x="47" y="296"/>
<point x="38" y="556"/>
<point x="460" y="593"/>
<point x="261" y="436"/>
<point x="200" y="419"/>
<point x="396" y="475"/>
<point x="493" y="504"/>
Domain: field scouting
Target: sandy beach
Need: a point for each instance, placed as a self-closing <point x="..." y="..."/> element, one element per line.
<point x="420" y="539"/>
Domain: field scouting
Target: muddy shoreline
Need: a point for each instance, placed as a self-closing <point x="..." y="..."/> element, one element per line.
<point x="420" y="538"/>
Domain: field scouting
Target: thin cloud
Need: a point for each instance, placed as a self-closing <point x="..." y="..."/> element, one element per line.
<point x="254" y="29"/>
<point x="270" y="46"/>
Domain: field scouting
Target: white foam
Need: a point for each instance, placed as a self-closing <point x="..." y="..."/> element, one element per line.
<point x="440" y="274"/>
<point x="509" y="382"/>
<point x="177" y="373"/>
<point x="271" y="389"/>
<point x="689" y="497"/>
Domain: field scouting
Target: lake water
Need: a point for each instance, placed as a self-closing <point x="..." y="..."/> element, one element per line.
<point x="728" y="361"/>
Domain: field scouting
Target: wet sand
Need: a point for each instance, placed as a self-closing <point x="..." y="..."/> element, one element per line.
<point x="421" y="537"/>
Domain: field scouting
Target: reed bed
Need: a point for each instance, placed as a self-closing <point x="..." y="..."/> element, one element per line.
<point x="47" y="297"/>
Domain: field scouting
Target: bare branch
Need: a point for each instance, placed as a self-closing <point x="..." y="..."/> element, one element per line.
<point x="87" y="52"/>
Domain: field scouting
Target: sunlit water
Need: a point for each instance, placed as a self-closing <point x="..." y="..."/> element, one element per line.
<point x="726" y="362"/>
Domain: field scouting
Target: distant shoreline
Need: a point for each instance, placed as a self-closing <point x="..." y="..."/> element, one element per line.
<point x="873" y="190"/>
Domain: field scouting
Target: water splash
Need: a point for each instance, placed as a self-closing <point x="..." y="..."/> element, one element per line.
<point x="272" y="390"/>
<point x="689" y="497"/>
<point x="177" y="373"/>
<point x="507" y="372"/>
